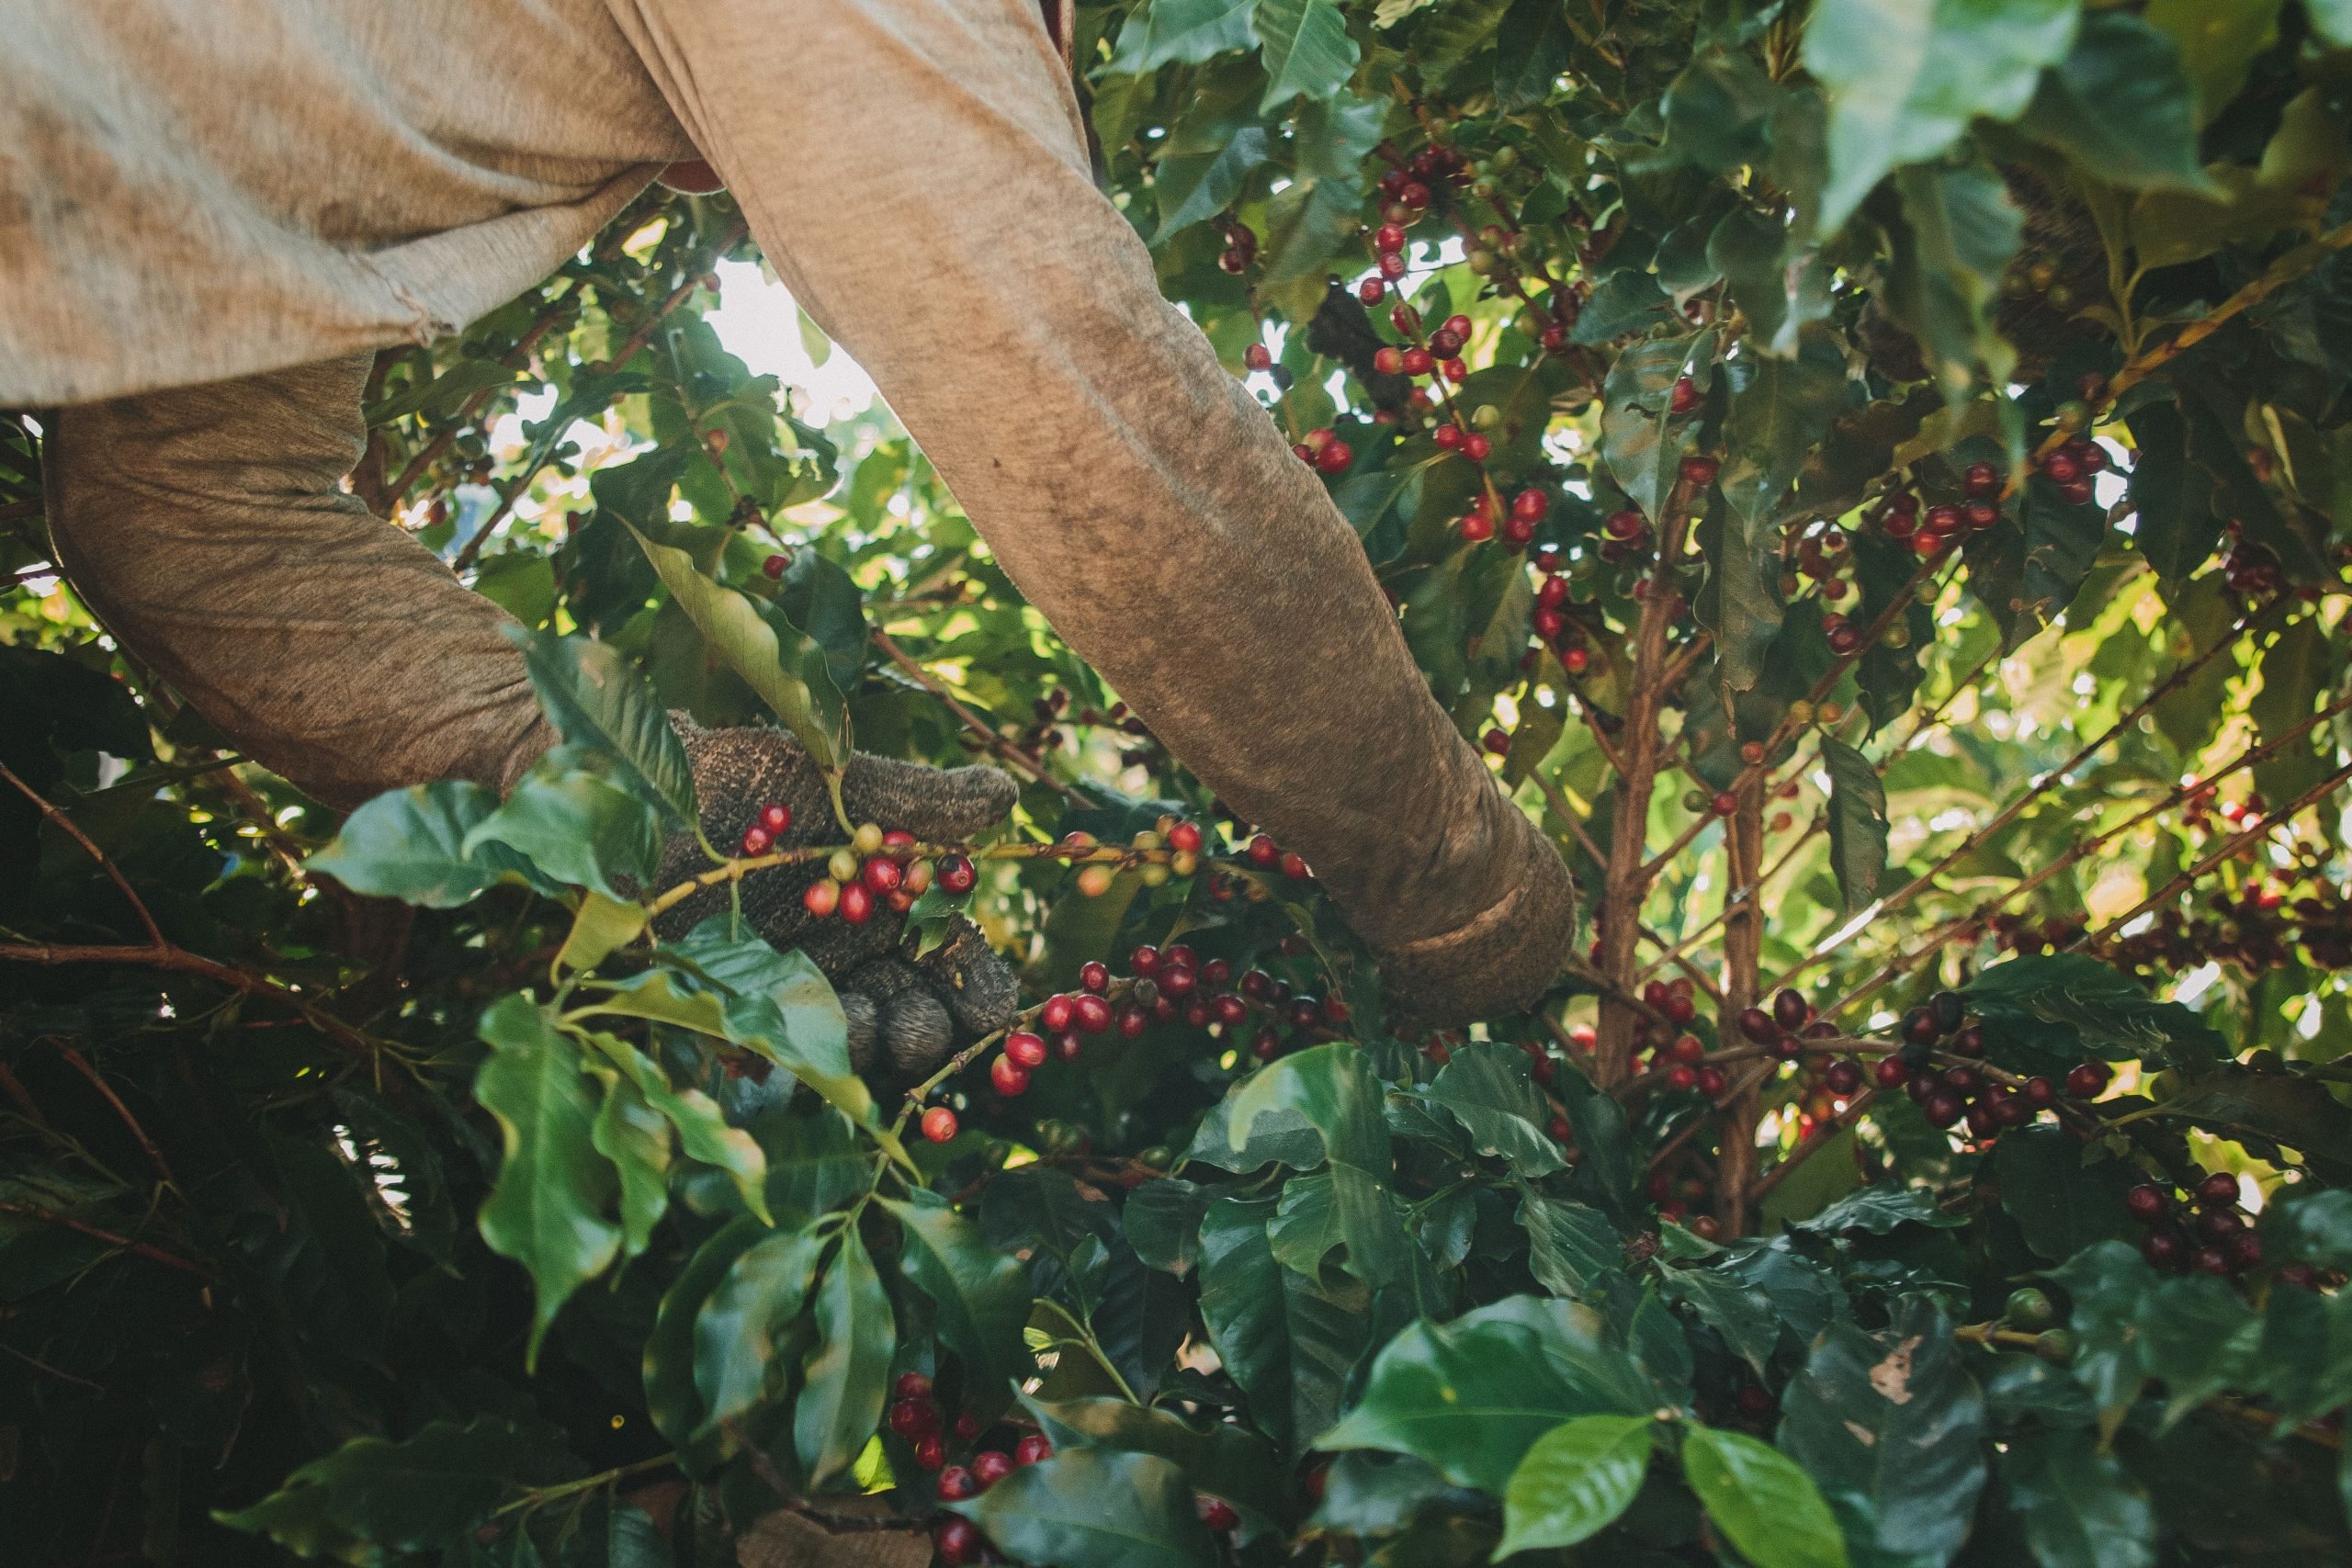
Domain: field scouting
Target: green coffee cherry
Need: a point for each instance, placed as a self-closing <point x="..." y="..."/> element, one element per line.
<point x="2029" y="1308"/>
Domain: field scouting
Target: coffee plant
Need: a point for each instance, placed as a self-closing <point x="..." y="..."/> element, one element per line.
<point x="1877" y="480"/>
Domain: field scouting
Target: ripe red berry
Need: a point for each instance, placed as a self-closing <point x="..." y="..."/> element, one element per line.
<point x="2088" y="1080"/>
<point x="756" y="840"/>
<point x="912" y="1385"/>
<point x="1388" y="361"/>
<point x="956" y="875"/>
<point x="1890" y="1073"/>
<point x="2217" y="1190"/>
<point x="911" y="1418"/>
<point x="1263" y="850"/>
<point x="967" y="1427"/>
<point x="1419" y="362"/>
<point x="1943" y="1107"/>
<point x="1496" y="741"/>
<point x="1007" y="1076"/>
<point x="1215" y="1512"/>
<point x="955" y="1482"/>
<point x="1699" y="471"/>
<point x="1843" y="1076"/>
<point x="1057" y="1014"/>
<point x="1725" y="803"/>
<point x="1031" y="1448"/>
<point x="1760" y="1026"/>
<point x="776" y="818"/>
<point x="1176" y="979"/>
<point x="881" y="875"/>
<point x="1982" y="478"/>
<point x="858" y="903"/>
<point x="1388" y="237"/>
<point x="1094" y="975"/>
<point x="1790" y="1010"/>
<point x="2061" y="466"/>
<point x="1134" y="1018"/>
<point x="772" y="568"/>
<point x="1184" y="836"/>
<point x="939" y="1124"/>
<point x="2148" y="1203"/>
<point x="958" y="1541"/>
<point x="1027" y="1049"/>
<point x="1294" y="867"/>
<point x="1711" y="1082"/>
<point x="1334" y="456"/>
<point x="1459" y="325"/>
<point x="1092" y="1014"/>
<point x="2040" y="1091"/>
<point x="1477" y="528"/>
<point x="1688" y="1048"/>
<point x="930" y="1452"/>
<point x="1476" y="446"/>
<point x="1258" y="356"/>
<point x="1626" y="525"/>
<point x="1682" y="1077"/>
<point x="1685" y="396"/>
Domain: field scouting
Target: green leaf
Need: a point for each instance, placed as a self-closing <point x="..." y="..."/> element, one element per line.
<point x="2063" y="1003"/>
<point x="577" y="828"/>
<point x="1777" y="420"/>
<point x="786" y="670"/>
<point x="2332" y="20"/>
<point x="1289" y="1340"/>
<point x="981" y="1297"/>
<point x="1224" y="1461"/>
<point x="415" y="844"/>
<point x="2178" y="527"/>
<point x="2298" y="669"/>
<point x="1892" y="1428"/>
<point x="847" y="1374"/>
<point x="1469" y="1399"/>
<point x="735" y="1331"/>
<point x="1575" y="1482"/>
<point x="1531" y="49"/>
<point x="1488" y="1087"/>
<point x="371" y="1500"/>
<point x="2107" y="1283"/>
<point x="1335" y="1088"/>
<point x="1194" y="187"/>
<point x="2122" y="106"/>
<point x="445" y="391"/>
<point x="1959" y="233"/>
<point x="1879" y="1211"/>
<point x="1627" y="301"/>
<point x="1305" y="1226"/>
<point x="1857" y="823"/>
<point x="1186" y="31"/>
<point x="1757" y="1495"/>
<point x="2061" y="1204"/>
<point x="703" y="1131"/>
<point x="2220" y="40"/>
<point x="598" y="701"/>
<point x="548" y="1210"/>
<point x="1307" y="49"/>
<point x="1571" y="1248"/>
<point x="1094" y="1508"/>
<point x="1162" y="1222"/>
<point x="602" y="927"/>
<point x="1905" y="80"/>
<point x="636" y="1138"/>
<point x="670" y="1366"/>
<point x="1642" y="441"/>
<point x="2079" y="1507"/>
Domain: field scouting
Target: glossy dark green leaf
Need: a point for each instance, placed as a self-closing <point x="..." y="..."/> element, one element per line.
<point x="2178" y="527"/>
<point x="370" y="1499"/>
<point x="1307" y="49"/>
<point x="1642" y="440"/>
<point x="1287" y="1339"/>
<point x="1776" y="420"/>
<point x="1487" y="1087"/>
<point x="2107" y="1285"/>
<point x="1571" y="1248"/>
<point x="1336" y="1090"/>
<point x="2122" y="106"/>
<point x="598" y="701"/>
<point x="671" y="1370"/>
<point x="981" y="1297"/>
<point x="547" y="1211"/>
<point x="1575" y="1482"/>
<point x="1857" y="823"/>
<point x="1532" y="49"/>
<point x="1903" y="83"/>
<point x="636" y="1138"/>
<point x="2080" y="1508"/>
<point x="1224" y="1461"/>
<point x="2061" y="1203"/>
<point x="736" y="1328"/>
<point x="2298" y="669"/>
<point x="577" y="828"/>
<point x="1959" y="230"/>
<point x="1892" y="1428"/>
<point x="1094" y="1508"/>
<point x="1760" y="1499"/>
<point x="1162" y="1222"/>
<point x="1188" y="30"/>
<point x="1879" y="1211"/>
<point x="846" y="1377"/>
<point x="2068" y="997"/>
<point x="703" y="1131"/>
<point x="1470" y="1400"/>
<point x="1197" y="188"/>
<point x="412" y="844"/>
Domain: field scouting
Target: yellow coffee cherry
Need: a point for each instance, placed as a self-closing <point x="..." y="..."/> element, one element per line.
<point x="867" y="839"/>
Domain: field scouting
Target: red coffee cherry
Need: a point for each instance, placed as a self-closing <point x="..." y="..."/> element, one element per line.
<point x="1184" y="836"/>
<point x="939" y="1124"/>
<point x="911" y="1418"/>
<point x="1007" y="1076"/>
<point x="1215" y="1512"/>
<point x="858" y="903"/>
<point x="756" y="840"/>
<point x="1092" y="1014"/>
<point x="772" y="568"/>
<point x="1031" y="1448"/>
<point x="2087" y="1081"/>
<point x="1685" y="397"/>
<point x="1699" y="471"/>
<point x="776" y="818"/>
<point x="1094" y="975"/>
<point x="1258" y="356"/>
<point x="991" y="1466"/>
<point x="1057" y="1014"/>
<point x="822" y="897"/>
<point x="930" y="1452"/>
<point x="956" y="875"/>
<point x="1027" y="1049"/>
<point x="956" y="1483"/>
<point x="957" y="1542"/>
<point x="881" y="875"/>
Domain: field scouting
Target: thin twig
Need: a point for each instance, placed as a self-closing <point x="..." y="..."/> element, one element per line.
<point x="65" y="825"/>
<point x="972" y="721"/>
<point x="153" y="1254"/>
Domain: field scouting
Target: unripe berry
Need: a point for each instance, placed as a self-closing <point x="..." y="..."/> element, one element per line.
<point x="822" y="897"/>
<point x="1094" y="881"/>
<point x="939" y="1124"/>
<point x="1388" y="361"/>
<point x="866" y="841"/>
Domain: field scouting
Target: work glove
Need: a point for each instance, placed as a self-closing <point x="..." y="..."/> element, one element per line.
<point x="906" y="1015"/>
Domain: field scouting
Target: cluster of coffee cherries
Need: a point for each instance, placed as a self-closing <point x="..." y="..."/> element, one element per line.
<point x="1962" y="1089"/>
<point x="1823" y="558"/>
<point x="2250" y="571"/>
<point x="2070" y="465"/>
<point x="1679" y="1053"/>
<point x="2016" y="933"/>
<point x="1323" y="451"/>
<point x="875" y="869"/>
<point x="2253" y="928"/>
<point x="1527" y="509"/>
<point x="1936" y="529"/>
<point x="1682" y="1196"/>
<point x="1240" y="247"/>
<point x="2210" y="1234"/>
<point x="1439" y="355"/>
<point x="915" y="1416"/>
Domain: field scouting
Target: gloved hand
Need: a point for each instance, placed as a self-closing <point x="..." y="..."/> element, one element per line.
<point x="905" y="1016"/>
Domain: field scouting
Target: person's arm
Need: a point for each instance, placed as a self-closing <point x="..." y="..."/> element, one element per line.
<point x="205" y="528"/>
<point x="916" y="171"/>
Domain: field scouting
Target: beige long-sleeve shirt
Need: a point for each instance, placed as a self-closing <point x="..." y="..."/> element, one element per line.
<point x="210" y="209"/>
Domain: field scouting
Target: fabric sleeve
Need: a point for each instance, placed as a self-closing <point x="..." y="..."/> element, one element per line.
<point x="205" y="528"/>
<point x="916" y="171"/>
